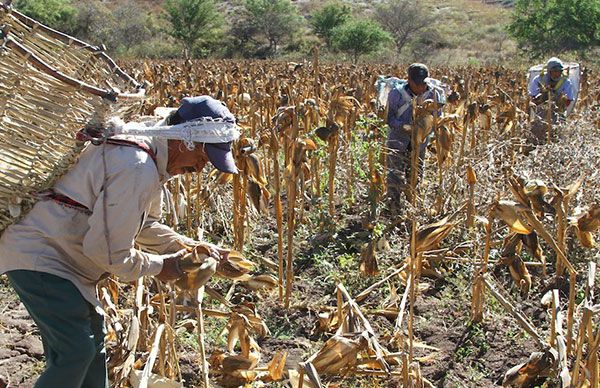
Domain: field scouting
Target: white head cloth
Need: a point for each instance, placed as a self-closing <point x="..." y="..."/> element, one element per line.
<point x="203" y="130"/>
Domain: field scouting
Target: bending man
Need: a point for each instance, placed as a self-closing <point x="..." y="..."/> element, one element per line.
<point x="85" y="230"/>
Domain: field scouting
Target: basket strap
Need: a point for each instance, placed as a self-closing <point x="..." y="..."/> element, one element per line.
<point x="62" y="199"/>
<point x="129" y="143"/>
<point x="95" y="137"/>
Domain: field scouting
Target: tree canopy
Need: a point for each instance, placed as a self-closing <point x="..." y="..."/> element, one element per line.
<point x="273" y="20"/>
<point x="328" y="17"/>
<point x="551" y="26"/>
<point x="359" y="37"/>
<point x="403" y="19"/>
<point x="58" y="14"/>
<point x="192" y="21"/>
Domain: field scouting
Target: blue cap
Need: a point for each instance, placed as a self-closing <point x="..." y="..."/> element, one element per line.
<point x="193" y="108"/>
<point x="417" y="72"/>
<point x="554" y="64"/>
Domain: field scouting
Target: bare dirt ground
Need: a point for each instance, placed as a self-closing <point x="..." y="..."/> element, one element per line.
<point x="21" y="351"/>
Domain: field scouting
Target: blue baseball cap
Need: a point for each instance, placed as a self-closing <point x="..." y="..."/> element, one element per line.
<point x="417" y="72"/>
<point x="554" y="64"/>
<point x="193" y="108"/>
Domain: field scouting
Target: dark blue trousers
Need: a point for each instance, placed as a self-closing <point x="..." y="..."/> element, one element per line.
<point x="71" y="329"/>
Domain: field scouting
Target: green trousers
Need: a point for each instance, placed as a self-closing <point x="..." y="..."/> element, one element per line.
<point x="72" y="331"/>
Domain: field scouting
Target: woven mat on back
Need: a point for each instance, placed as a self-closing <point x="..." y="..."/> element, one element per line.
<point x="51" y="86"/>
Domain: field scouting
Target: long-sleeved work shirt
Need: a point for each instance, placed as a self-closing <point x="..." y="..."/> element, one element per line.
<point x="400" y="114"/>
<point x="566" y="87"/>
<point x="122" y="189"/>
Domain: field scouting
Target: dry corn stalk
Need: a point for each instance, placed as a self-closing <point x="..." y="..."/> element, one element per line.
<point x="471" y="180"/>
<point x="478" y="290"/>
<point x="509" y="307"/>
<point x="560" y="201"/>
<point x="274" y="148"/>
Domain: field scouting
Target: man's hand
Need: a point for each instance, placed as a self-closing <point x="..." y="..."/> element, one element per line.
<point x="170" y="270"/>
<point x="215" y="251"/>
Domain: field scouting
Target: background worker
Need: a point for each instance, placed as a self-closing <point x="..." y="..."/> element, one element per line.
<point x="400" y="113"/>
<point x="86" y="229"/>
<point x="553" y="81"/>
<point x="554" y="85"/>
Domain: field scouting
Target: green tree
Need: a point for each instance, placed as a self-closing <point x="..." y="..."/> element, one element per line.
<point x="543" y="26"/>
<point x="274" y="20"/>
<point x="58" y="14"/>
<point x="193" y="22"/>
<point x="359" y="37"/>
<point x="328" y="17"/>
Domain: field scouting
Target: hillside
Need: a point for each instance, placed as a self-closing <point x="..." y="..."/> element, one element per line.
<point x="305" y="6"/>
<point x="464" y="31"/>
<point x="461" y="32"/>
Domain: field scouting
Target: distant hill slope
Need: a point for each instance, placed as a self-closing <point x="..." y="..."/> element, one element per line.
<point x="464" y="31"/>
<point x="306" y="6"/>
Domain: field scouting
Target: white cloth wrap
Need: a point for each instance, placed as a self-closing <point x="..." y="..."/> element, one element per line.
<point x="203" y="130"/>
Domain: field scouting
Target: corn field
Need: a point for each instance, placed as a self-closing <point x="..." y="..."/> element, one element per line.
<point x="517" y="223"/>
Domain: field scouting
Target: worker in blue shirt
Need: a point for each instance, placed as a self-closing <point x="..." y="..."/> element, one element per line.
<point x="554" y="85"/>
<point x="552" y="81"/>
<point x="400" y="113"/>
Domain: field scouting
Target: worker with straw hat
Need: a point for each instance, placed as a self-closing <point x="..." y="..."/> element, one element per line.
<point x="85" y="229"/>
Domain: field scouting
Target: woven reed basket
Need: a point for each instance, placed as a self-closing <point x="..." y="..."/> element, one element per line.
<point x="51" y="86"/>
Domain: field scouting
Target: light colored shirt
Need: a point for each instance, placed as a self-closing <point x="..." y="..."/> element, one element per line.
<point x="125" y="201"/>
<point x="565" y="89"/>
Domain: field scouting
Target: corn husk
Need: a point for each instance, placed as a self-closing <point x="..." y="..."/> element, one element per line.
<point x="368" y="259"/>
<point x="155" y="381"/>
<point x="339" y="354"/>
<point x="197" y="267"/>
<point x="429" y="236"/>
<point x="277" y="365"/>
<point x="539" y="365"/>
<point x="471" y="176"/>
<point x="508" y="212"/>
<point x="532" y="244"/>
<point x="259" y="282"/>
<point x="235" y="266"/>
<point x="232" y="364"/>
<point x="535" y="191"/>
<point x="585" y="224"/>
